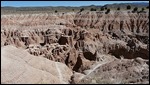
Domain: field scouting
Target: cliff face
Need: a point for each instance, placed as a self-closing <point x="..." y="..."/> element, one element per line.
<point x="78" y="39"/>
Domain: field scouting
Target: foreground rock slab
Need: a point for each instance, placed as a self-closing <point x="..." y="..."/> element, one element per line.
<point x="18" y="66"/>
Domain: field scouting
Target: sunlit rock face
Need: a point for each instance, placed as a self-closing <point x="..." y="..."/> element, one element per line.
<point x="18" y="66"/>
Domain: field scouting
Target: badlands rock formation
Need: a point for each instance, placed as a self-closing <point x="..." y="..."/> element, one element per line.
<point x="80" y="40"/>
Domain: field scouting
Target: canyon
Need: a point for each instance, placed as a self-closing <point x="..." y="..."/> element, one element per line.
<point x="82" y="47"/>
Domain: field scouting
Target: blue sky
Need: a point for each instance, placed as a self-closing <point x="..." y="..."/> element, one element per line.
<point x="60" y="3"/>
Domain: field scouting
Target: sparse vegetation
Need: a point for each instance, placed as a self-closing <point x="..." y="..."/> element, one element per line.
<point x="118" y="8"/>
<point x="82" y="9"/>
<point x="102" y="8"/>
<point x="49" y="9"/>
<point x="128" y="7"/>
<point x="135" y="10"/>
<point x="92" y="9"/>
<point x="147" y="7"/>
<point x="56" y="11"/>
<point x="142" y="9"/>
<point x="108" y="10"/>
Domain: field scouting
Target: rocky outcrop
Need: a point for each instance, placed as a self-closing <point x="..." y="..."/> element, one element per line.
<point x="119" y="71"/>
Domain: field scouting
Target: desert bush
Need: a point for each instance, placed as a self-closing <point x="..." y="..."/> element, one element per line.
<point x="142" y="9"/>
<point x="118" y="8"/>
<point x="135" y="10"/>
<point x="102" y="8"/>
<point x="147" y="7"/>
<point x="128" y="7"/>
<point x="56" y="11"/>
<point x="92" y="9"/>
<point x="82" y="9"/>
<point x="108" y="10"/>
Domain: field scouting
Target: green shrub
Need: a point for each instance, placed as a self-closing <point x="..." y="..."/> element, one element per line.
<point x="118" y="8"/>
<point x="135" y="10"/>
<point x="128" y="7"/>
<point x="56" y="11"/>
<point x="147" y="7"/>
<point x="142" y="9"/>
<point x="102" y="8"/>
<point x="92" y="9"/>
<point x="108" y="10"/>
<point x="82" y="9"/>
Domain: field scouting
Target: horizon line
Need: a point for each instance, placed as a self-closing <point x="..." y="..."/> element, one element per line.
<point x="95" y="4"/>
